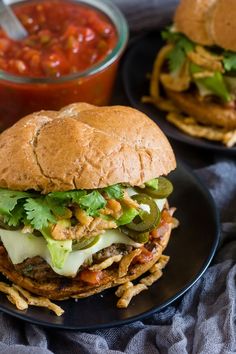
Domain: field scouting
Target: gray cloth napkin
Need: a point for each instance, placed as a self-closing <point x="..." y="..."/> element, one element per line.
<point x="203" y="321"/>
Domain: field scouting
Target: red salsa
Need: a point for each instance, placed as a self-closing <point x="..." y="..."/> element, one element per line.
<point x="64" y="38"/>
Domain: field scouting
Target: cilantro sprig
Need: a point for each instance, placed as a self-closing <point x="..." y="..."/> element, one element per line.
<point x="15" y="217"/>
<point x="68" y="196"/>
<point x="40" y="211"/>
<point x="92" y="202"/>
<point x="9" y="199"/>
<point x="182" y="45"/>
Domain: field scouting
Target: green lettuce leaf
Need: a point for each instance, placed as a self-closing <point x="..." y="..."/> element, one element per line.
<point x="215" y="83"/>
<point x="229" y="61"/>
<point x="127" y="216"/>
<point x="114" y="192"/>
<point x="59" y="250"/>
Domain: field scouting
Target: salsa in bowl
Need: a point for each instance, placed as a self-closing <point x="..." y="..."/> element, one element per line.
<point x="71" y="54"/>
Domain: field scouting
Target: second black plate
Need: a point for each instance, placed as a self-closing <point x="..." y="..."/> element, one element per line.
<point x="191" y="248"/>
<point x="138" y="63"/>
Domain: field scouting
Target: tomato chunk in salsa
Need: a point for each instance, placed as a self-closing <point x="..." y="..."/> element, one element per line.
<point x="65" y="37"/>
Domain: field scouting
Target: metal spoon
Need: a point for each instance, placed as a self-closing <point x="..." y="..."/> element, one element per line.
<point x="10" y="23"/>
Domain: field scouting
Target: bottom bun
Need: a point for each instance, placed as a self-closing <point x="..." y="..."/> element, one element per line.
<point x="62" y="288"/>
<point x="205" y="112"/>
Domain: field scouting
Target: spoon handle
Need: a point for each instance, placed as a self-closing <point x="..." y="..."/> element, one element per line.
<point x="10" y="23"/>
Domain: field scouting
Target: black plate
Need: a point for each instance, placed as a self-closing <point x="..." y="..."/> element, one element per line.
<point x="191" y="249"/>
<point x="138" y="62"/>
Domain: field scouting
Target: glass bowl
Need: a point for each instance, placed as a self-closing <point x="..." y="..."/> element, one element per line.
<point x="21" y="95"/>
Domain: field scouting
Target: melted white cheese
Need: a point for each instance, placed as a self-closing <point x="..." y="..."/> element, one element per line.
<point x="21" y="246"/>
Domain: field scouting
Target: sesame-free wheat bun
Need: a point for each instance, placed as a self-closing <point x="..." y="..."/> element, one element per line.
<point x="83" y="147"/>
<point x="208" y="22"/>
<point x="191" y="17"/>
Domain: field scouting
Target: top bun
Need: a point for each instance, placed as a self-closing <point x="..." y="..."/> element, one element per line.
<point x="83" y="147"/>
<point x="208" y="22"/>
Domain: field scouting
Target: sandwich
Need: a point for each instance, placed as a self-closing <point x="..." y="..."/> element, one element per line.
<point x="83" y="201"/>
<point x="195" y="71"/>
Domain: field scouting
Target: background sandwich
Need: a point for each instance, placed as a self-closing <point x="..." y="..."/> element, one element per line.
<point x="82" y="205"/>
<point x="197" y="70"/>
